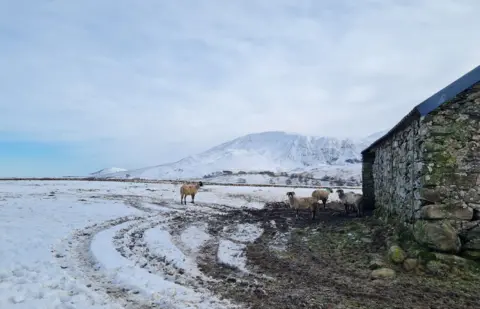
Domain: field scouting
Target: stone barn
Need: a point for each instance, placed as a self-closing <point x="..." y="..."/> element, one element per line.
<point x="426" y="170"/>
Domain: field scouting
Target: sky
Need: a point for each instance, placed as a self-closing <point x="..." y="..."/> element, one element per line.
<point x="91" y="84"/>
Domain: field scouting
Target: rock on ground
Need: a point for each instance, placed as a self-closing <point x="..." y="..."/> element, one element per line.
<point x="396" y="254"/>
<point x="383" y="273"/>
<point x="410" y="264"/>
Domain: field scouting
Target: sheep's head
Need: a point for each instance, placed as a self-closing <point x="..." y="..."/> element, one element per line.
<point x="290" y="194"/>
<point x="329" y="190"/>
<point x="200" y="184"/>
<point x="340" y="191"/>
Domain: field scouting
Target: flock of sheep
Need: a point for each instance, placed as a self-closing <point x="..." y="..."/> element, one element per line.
<point x="351" y="201"/>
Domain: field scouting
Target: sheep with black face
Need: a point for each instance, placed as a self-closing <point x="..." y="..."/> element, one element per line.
<point x="298" y="203"/>
<point x="351" y="201"/>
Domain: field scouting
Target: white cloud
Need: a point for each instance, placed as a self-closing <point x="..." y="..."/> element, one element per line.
<point x="161" y="79"/>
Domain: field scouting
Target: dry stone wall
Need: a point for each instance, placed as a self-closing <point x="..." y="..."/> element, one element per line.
<point x="393" y="175"/>
<point x="450" y="192"/>
<point x="428" y="175"/>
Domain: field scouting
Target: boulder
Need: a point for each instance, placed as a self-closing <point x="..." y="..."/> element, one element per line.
<point x="437" y="235"/>
<point x="396" y="254"/>
<point x="410" y="264"/>
<point x="440" y="211"/>
<point x="383" y="273"/>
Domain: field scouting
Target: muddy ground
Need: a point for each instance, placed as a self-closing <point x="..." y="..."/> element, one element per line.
<point x="293" y="264"/>
<point x="325" y="264"/>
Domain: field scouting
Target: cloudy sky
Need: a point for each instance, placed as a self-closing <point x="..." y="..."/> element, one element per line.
<point x="96" y="83"/>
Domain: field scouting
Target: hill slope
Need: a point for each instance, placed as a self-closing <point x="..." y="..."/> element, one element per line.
<point x="107" y="171"/>
<point x="277" y="152"/>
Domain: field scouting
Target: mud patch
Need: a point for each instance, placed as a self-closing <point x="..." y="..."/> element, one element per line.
<point x="275" y="260"/>
<point x="323" y="264"/>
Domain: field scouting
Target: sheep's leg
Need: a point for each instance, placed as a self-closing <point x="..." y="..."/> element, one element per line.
<point x="346" y="208"/>
<point x="181" y="199"/>
<point x="193" y="198"/>
<point x="314" y="212"/>
<point x="296" y="214"/>
<point x="324" y="201"/>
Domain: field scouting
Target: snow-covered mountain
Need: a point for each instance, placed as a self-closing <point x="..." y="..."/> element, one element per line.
<point x="277" y="152"/>
<point x="107" y="171"/>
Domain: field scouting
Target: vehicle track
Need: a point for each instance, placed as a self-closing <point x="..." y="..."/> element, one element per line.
<point x="75" y="256"/>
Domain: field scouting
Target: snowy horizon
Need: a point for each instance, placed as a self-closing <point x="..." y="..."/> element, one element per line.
<point x="89" y="85"/>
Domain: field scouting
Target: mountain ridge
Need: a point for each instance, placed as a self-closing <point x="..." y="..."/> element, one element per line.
<point x="275" y="151"/>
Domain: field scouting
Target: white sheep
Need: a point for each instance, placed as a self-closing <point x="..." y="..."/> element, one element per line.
<point x="298" y="203"/>
<point x="189" y="189"/>
<point x="351" y="200"/>
<point x="322" y="195"/>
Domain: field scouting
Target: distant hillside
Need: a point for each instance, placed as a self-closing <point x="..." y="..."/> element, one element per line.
<point x="107" y="171"/>
<point x="275" y="152"/>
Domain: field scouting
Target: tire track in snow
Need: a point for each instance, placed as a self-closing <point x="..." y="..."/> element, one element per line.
<point x="76" y="255"/>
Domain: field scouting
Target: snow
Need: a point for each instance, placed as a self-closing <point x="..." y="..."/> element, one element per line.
<point x="231" y="251"/>
<point x="232" y="254"/>
<point x="266" y="151"/>
<point x="29" y="225"/>
<point x="109" y="170"/>
<point x="79" y="244"/>
<point x="247" y="232"/>
<point x="194" y="237"/>
<point x="125" y="273"/>
<point x="160" y="243"/>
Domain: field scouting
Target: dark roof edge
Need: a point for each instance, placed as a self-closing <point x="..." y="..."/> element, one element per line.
<point x="405" y="120"/>
<point x="444" y="95"/>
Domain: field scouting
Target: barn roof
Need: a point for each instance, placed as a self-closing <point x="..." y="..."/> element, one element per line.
<point x="430" y="104"/>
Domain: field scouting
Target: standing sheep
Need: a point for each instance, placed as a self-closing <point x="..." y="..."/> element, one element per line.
<point x="322" y="195"/>
<point x="189" y="189"/>
<point x="351" y="200"/>
<point x="298" y="203"/>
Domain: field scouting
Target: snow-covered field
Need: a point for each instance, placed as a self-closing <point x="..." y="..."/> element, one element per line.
<point x="76" y="244"/>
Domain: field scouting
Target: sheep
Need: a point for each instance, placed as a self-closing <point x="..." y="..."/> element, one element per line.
<point x="298" y="203"/>
<point x="189" y="189"/>
<point x="351" y="200"/>
<point x="322" y="195"/>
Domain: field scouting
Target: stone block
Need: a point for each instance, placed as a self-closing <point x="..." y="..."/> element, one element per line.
<point x="472" y="196"/>
<point x="437" y="235"/>
<point x="473" y="96"/>
<point x="430" y="195"/>
<point x="440" y="130"/>
<point x="440" y="211"/>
